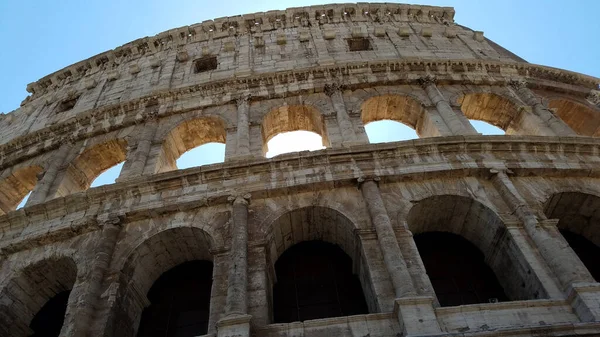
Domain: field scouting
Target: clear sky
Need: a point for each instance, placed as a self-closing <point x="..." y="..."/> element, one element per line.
<point x="40" y="37"/>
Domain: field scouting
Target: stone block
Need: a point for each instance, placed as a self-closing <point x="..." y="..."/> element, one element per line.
<point x="281" y="39"/>
<point x="134" y="69"/>
<point x="404" y="31"/>
<point x="426" y="32"/>
<point x="478" y="36"/>
<point x="90" y="83"/>
<point x="329" y="34"/>
<point x="183" y="56"/>
<point x="112" y="75"/>
<point x="380" y="31"/>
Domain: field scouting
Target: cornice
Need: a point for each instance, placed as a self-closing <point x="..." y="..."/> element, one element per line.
<point x="353" y="75"/>
<point x="247" y="24"/>
<point x="416" y="160"/>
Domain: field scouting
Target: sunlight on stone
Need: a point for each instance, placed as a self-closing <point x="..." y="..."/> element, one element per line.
<point x="24" y="201"/>
<point x="108" y="177"/>
<point x="209" y="153"/>
<point x="389" y="131"/>
<point x="485" y="128"/>
<point x="293" y="142"/>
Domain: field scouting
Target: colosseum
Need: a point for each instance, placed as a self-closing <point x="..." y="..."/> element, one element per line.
<point x="454" y="233"/>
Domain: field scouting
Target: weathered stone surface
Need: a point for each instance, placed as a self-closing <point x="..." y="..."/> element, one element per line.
<point x="243" y="80"/>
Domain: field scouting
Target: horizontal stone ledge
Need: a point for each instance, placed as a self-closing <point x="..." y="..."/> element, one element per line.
<point x="211" y="185"/>
<point x="69" y="129"/>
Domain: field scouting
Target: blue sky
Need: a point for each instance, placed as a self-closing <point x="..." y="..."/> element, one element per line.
<point x="40" y="37"/>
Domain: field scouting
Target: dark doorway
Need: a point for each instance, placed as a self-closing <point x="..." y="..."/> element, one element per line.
<point x="457" y="270"/>
<point x="180" y="302"/>
<point x="586" y="250"/>
<point x="315" y="280"/>
<point x="49" y="320"/>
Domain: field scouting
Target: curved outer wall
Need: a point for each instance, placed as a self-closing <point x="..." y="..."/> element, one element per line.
<point x="328" y="69"/>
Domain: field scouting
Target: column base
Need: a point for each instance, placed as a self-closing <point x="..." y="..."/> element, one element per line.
<point x="585" y="300"/>
<point x="416" y="316"/>
<point x="234" y="326"/>
<point x="353" y="143"/>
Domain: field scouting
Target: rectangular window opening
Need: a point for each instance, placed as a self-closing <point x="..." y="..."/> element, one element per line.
<point x="67" y="104"/>
<point x="205" y="64"/>
<point x="359" y="44"/>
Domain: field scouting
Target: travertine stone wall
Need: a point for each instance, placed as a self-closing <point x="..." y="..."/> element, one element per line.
<point x="145" y="104"/>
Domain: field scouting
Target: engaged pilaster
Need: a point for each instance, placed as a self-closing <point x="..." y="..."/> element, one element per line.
<point x="334" y="91"/>
<point x="392" y="255"/>
<point x="449" y="116"/>
<point x="243" y="129"/>
<point x="48" y="178"/>
<point x="134" y="166"/>
<point x="555" y="250"/>
<point x="540" y="109"/>
<point x="236" y="321"/>
<point x="88" y="293"/>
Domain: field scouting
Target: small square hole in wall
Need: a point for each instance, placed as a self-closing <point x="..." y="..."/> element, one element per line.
<point x="205" y="63"/>
<point x="67" y="104"/>
<point x="359" y="44"/>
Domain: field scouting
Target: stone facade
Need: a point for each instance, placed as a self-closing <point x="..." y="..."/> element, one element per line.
<point x="328" y="69"/>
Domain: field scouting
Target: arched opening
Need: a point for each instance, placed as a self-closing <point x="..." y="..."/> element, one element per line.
<point x="389" y="118"/>
<point x="206" y="154"/>
<point x="322" y="237"/>
<point x="195" y="142"/>
<point x="34" y="302"/>
<point x="315" y="280"/>
<point x="49" y="320"/>
<point x="108" y="177"/>
<point x="386" y="131"/>
<point x="483" y="237"/>
<point x="586" y="250"/>
<point x="492" y="109"/>
<point x="281" y="130"/>
<point x="153" y="298"/>
<point x="90" y="164"/>
<point x="578" y="217"/>
<point x="179" y="302"/>
<point x="15" y="187"/>
<point x="457" y="270"/>
<point x="582" y="119"/>
<point x="294" y="141"/>
<point x="486" y="128"/>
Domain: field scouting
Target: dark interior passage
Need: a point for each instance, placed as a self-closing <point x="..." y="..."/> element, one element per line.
<point x="315" y="280"/>
<point x="180" y="302"/>
<point x="457" y="270"/>
<point x="586" y="250"/>
<point x="49" y="320"/>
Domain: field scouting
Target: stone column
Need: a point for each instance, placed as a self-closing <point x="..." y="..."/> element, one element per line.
<point x="334" y="91"/>
<point x="392" y="256"/>
<point x="449" y="116"/>
<point x="236" y="321"/>
<point x="552" y="246"/>
<point x="243" y="129"/>
<point x="416" y="314"/>
<point x="136" y="161"/>
<point x="80" y="321"/>
<point x="554" y="122"/>
<point x="40" y="192"/>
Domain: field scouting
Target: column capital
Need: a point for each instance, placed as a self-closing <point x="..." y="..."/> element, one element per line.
<point x="506" y="171"/>
<point x="594" y="97"/>
<point x="517" y="83"/>
<point x="331" y="88"/>
<point x="244" y="98"/>
<point x="427" y="80"/>
<point x="110" y="220"/>
<point x="363" y="179"/>
<point x="239" y="198"/>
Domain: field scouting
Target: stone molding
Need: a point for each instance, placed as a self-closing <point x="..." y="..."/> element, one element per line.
<point x="443" y="70"/>
<point x="14" y="222"/>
